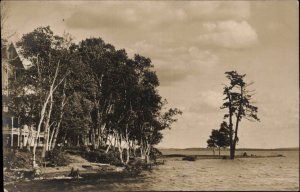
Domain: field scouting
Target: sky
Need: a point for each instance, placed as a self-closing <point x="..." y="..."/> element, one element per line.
<point x="191" y="45"/>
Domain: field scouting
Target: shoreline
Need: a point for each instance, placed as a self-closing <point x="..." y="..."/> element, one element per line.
<point x="88" y="169"/>
<point x="63" y="173"/>
<point x="220" y="157"/>
<point x="78" y="169"/>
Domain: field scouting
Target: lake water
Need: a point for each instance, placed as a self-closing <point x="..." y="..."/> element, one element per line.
<point x="279" y="173"/>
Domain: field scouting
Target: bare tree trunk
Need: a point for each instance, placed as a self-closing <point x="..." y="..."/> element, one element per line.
<point x="78" y="141"/>
<point x="110" y="143"/>
<point x="121" y="154"/>
<point x="93" y="138"/>
<point x="230" y="128"/>
<point x="86" y="138"/>
<point x="51" y="138"/>
<point x="127" y="144"/>
<point x="119" y="141"/>
<point x="101" y="135"/>
<point x="147" y="152"/>
<point x="237" y="126"/>
<point x="43" y="111"/>
<point x="39" y="128"/>
<point x="46" y="131"/>
<point x="128" y="155"/>
<point x="142" y="149"/>
<point x="121" y="149"/>
<point x="108" y="147"/>
<point x="28" y="143"/>
<point x="57" y="128"/>
<point x="133" y="149"/>
<point x="97" y="139"/>
<point x="96" y="131"/>
<point x="115" y="141"/>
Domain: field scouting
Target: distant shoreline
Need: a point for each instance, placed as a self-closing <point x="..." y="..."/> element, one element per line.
<point x="238" y="149"/>
<point x="219" y="156"/>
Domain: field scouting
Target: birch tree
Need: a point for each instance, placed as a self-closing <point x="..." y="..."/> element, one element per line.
<point x="48" y="57"/>
<point x="91" y="90"/>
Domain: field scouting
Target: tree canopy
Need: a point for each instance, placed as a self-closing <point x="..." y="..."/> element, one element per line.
<point x="219" y="138"/>
<point x="89" y="93"/>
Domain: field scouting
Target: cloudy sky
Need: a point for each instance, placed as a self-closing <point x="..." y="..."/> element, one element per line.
<point x="192" y="44"/>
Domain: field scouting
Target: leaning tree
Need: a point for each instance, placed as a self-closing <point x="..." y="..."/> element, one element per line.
<point x="238" y="102"/>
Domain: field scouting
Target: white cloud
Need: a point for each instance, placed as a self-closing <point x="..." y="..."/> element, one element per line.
<point x="206" y="102"/>
<point x="185" y="62"/>
<point x="219" y="9"/>
<point x="211" y="98"/>
<point x="203" y="58"/>
<point x="229" y="34"/>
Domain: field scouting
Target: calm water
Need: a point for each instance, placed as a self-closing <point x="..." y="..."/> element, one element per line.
<point x="280" y="173"/>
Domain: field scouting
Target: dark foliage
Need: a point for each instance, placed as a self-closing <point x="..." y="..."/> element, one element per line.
<point x="17" y="159"/>
<point x="189" y="158"/>
<point x="56" y="158"/>
<point x="101" y="157"/>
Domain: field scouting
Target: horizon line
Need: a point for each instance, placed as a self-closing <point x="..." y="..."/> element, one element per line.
<point x="226" y="148"/>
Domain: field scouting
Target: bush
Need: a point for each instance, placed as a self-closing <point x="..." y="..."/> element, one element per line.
<point x="189" y="158"/>
<point x="57" y="158"/>
<point x="102" y="157"/>
<point x="17" y="159"/>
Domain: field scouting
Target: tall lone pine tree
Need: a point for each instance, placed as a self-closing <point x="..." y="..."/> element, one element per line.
<point x="238" y="102"/>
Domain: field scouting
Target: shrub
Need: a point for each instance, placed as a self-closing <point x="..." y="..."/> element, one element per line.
<point x="102" y="157"/>
<point x="17" y="159"/>
<point x="57" y="158"/>
<point x="189" y="158"/>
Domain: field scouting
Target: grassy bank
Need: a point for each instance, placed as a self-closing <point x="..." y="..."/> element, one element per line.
<point x="68" y="164"/>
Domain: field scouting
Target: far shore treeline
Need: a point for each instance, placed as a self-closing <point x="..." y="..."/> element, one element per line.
<point x="88" y="94"/>
<point x="237" y="149"/>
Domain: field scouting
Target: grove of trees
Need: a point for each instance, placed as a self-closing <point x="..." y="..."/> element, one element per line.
<point x="88" y="92"/>
<point x="219" y="138"/>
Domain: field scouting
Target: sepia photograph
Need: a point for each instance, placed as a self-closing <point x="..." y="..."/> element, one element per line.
<point x="150" y="95"/>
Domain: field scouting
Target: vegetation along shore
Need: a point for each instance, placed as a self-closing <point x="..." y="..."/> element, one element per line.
<point x="82" y="108"/>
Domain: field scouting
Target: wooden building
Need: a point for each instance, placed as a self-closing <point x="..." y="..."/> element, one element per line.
<point x="13" y="134"/>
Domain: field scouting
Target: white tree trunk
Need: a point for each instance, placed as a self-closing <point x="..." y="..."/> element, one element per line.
<point x="43" y="111"/>
<point x="51" y="138"/>
<point x="47" y="128"/>
<point x="57" y="128"/>
<point x="110" y="138"/>
<point x="121" y="149"/>
<point x="119" y="142"/>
